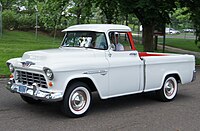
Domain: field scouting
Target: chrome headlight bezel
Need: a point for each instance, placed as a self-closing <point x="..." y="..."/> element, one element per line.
<point x="11" y="67"/>
<point x="49" y="73"/>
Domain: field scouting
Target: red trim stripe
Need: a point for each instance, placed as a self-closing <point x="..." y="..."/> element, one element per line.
<point x="131" y="41"/>
<point x="145" y="54"/>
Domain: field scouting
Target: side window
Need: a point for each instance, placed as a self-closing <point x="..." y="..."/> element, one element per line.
<point x="120" y="41"/>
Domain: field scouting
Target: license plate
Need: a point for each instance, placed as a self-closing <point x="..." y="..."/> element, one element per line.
<point x="22" y="89"/>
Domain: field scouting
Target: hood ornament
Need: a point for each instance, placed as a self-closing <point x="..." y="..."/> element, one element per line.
<point x="27" y="64"/>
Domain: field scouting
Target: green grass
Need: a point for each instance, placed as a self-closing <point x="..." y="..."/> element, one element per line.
<point x="197" y="61"/>
<point x="14" y="43"/>
<point x="186" y="44"/>
<point x="139" y="47"/>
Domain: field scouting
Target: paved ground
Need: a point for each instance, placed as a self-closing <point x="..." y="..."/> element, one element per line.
<point x="177" y="50"/>
<point x="130" y="113"/>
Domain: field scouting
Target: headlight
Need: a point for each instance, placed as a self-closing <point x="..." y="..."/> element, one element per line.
<point x="48" y="73"/>
<point x="11" y="68"/>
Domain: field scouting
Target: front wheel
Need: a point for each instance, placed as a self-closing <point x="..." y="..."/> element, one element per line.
<point x="77" y="100"/>
<point x="169" y="90"/>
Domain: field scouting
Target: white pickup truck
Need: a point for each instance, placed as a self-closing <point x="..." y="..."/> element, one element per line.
<point x="96" y="57"/>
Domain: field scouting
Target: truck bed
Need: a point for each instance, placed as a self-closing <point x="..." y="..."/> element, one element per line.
<point x="157" y="68"/>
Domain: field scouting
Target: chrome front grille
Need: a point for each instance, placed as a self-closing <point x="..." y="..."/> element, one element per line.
<point x="27" y="78"/>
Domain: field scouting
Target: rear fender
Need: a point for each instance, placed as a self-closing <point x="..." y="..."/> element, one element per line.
<point x="171" y="73"/>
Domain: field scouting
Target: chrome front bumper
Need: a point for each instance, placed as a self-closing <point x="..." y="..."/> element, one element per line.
<point x="194" y="76"/>
<point x="34" y="92"/>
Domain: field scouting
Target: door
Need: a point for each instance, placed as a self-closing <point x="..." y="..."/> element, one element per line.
<point x="125" y="70"/>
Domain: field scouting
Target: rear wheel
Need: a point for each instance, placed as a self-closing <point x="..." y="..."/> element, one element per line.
<point x="77" y="100"/>
<point x="169" y="90"/>
<point x="30" y="100"/>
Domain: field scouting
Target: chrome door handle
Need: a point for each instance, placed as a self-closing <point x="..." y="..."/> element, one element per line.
<point x="133" y="54"/>
<point x="103" y="72"/>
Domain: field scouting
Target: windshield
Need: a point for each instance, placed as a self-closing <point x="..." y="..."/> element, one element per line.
<point x="85" y="39"/>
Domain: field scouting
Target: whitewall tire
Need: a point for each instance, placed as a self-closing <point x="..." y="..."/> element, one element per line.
<point x="169" y="90"/>
<point x="77" y="100"/>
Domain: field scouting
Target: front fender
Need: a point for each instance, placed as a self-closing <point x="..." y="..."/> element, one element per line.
<point x="14" y="61"/>
<point x="102" y="90"/>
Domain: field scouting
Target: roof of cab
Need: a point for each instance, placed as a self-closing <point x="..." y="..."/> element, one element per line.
<point x="98" y="27"/>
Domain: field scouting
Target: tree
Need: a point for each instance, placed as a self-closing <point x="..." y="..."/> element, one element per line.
<point x="79" y="9"/>
<point x="19" y="15"/>
<point x="52" y="12"/>
<point x="109" y="8"/>
<point x="181" y="18"/>
<point x="149" y="13"/>
<point x="194" y="9"/>
<point x="7" y="4"/>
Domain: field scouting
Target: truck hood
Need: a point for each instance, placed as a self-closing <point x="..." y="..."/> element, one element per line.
<point x="58" y="56"/>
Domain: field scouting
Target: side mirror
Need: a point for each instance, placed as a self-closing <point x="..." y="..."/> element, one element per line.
<point x="112" y="47"/>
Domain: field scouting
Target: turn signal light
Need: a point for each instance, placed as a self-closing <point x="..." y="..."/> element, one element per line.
<point x="50" y="84"/>
<point x="11" y="76"/>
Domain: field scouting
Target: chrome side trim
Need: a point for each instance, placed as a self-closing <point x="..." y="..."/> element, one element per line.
<point x="102" y="72"/>
<point x="144" y="71"/>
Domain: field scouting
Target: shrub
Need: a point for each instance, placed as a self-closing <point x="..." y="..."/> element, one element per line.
<point x="26" y="22"/>
<point x="9" y="18"/>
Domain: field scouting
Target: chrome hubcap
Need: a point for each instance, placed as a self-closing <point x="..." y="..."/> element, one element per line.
<point x="169" y="88"/>
<point x="78" y="100"/>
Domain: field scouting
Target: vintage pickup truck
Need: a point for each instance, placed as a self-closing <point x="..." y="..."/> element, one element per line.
<point x="88" y="60"/>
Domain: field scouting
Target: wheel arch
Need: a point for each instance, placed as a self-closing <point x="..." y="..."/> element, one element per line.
<point x="92" y="83"/>
<point x="89" y="80"/>
<point x="176" y="75"/>
<point x="85" y="80"/>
